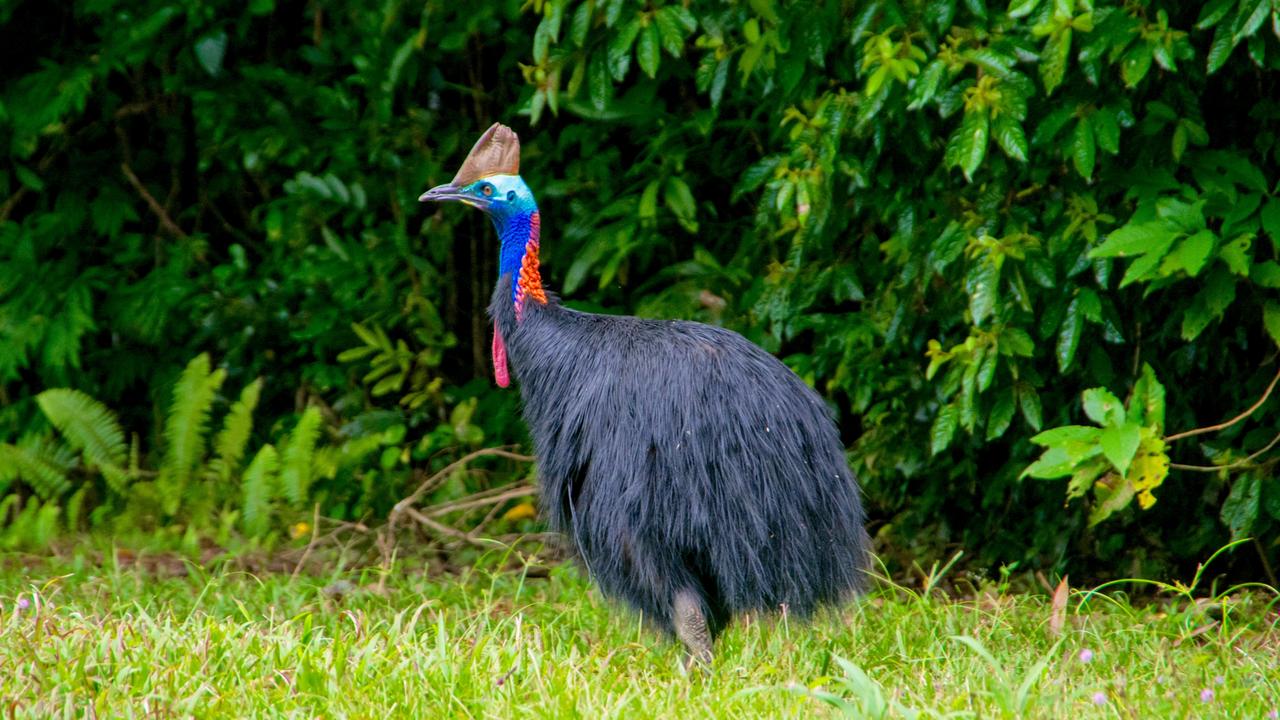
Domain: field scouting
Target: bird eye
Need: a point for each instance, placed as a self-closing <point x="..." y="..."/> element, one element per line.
<point x="487" y="190"/>
<point x="511" y="196"/>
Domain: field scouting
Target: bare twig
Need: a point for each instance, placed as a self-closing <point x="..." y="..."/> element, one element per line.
<point x="166" y="222"/>
<point x="1266" y="564"/>
<point x="481" y="499"/>
<point x="1232" y="421"/>
<point x="1229" y="466"/>
<point x="445" y="530"/>
<point x="7" y="208"/>
<point x="446" y="471"/>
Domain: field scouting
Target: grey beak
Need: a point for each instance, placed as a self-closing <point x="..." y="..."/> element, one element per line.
<point x="442" y="193"/>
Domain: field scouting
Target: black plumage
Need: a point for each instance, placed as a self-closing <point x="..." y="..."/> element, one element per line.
<point x="695" y="474"/>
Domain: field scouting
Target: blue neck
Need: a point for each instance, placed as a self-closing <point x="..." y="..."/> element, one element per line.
<point x="514" y="231"/>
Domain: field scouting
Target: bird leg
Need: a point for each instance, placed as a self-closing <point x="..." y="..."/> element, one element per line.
<point x="691" y="627"/>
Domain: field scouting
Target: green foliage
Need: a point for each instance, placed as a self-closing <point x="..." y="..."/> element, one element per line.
<point x="273" y="645"/>
<point x="91" y="428"/>
<point x="95" y="449"/>
<point x="952" y="218"/>
<point x="185" y="428"/>
<point x="258" y="489"/>
<point x="236" y="427"/>
<point x="1125" y="457"/>
<point x="41" y="464"/>
<point x="298" y="456"/>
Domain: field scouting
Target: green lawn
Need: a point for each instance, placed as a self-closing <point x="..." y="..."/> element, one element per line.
<point x="85" y="640"/>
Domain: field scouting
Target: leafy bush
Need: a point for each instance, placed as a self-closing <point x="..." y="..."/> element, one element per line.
<point x="952" y="218"/>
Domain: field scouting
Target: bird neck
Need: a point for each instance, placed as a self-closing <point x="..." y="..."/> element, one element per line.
<point x="519" y="233"/>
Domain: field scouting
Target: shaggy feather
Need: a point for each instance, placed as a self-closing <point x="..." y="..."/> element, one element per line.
<point x="680" y="457"/>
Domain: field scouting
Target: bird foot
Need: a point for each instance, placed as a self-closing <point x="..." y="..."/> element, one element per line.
<point x="691" y="627"/>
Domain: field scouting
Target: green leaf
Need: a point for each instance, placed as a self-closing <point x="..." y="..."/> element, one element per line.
<point x="1083" y="152"/>
<point x="1188" y="217"/>
<point x="1119" y="443"/>
<point x="598" y="82"/>
<point x="1106" y="130"/>
<point x="987" y="370"/>
<point x="1271" y="320"/>
<point x="296" y="458"/>
<point x="944" y="428"/>
<point x="256" y="491"/>
<point x="1220" y="49"/>
<point x="1134" y="239"/>
<point x="1053" y="61"/>
<point x="647" y="50"/>
<point x="1235" y="254"/>
<point x="1240" y="510"/>
<point x="1053" y="463"/>
<point x="184" y="429"/>
<point x="1069" y="336"/>
<point x="671" y="29"/>
<point x="1016" y="341"/>
<point x="29" y="179"/>
<point x="1270" y="216"/>
<point x="1136" y="63"/>
<point x="1021" y="8"/>
<point x="1112" y="501"/>
<point x="718" y="82"/>
<point x="1271" y="498"/>
<point x="982" y="282"/>
<point x="1083" y="478"/>
<point x="210" y="50"/>
<point x="1145" y="266"/>
<point x="1029" y="402"/>
<point x="41" y="464"/>
<point x="973" y="142"/>
<point x="1052" y="124"/>
<point x="620" y="49"/>
<point x="1212" y="12"/>
<point x="1193" y="252"/>
<point x="231" y="441"/>
<point x="1011" y="138"/>
<point x="1146" y="407"/>
<point x="924" y="87"/>
<point x="1001" y="415"/>
<point x="1103" y="407"/>
<point x="86" y="424"/>
<point x="1068" y="436"/>
<point x="580" y="24"/>
<point x="1254" y="20"/>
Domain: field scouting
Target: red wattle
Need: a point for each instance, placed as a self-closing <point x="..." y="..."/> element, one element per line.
<point x="500" y="372"/>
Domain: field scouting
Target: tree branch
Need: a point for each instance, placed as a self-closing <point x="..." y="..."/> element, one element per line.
<point x="1232" y="421"/>
<point x="1229" y="466"/>
<point x="430" y="482"/>
<point x="166" y="222"/>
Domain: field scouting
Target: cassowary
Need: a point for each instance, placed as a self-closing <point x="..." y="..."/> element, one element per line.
<point x="694" y="473"/>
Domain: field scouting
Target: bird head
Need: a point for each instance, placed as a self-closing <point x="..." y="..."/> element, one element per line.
<point x="489" y="179"/>
<point x="500" y="196"/>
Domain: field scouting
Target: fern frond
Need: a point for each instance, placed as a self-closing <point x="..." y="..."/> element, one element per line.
<point x="257" y="488"/>
<point x="230" y="443"/>
<point x="185" y="427"/>
<point x="295" y="467"/>
<point x="88" y="426"/>
<point x="41" y="464"/>
<point x="34" y="526"/>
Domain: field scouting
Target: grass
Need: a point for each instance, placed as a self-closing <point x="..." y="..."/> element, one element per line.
<point x="80" y="640"/>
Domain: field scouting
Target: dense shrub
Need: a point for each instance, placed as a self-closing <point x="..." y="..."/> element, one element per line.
<point x="951" y="217"/>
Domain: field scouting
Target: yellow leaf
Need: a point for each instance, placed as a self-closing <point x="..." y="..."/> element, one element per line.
<point x="523" y="511"/>
<point x="1149" y="468"/>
